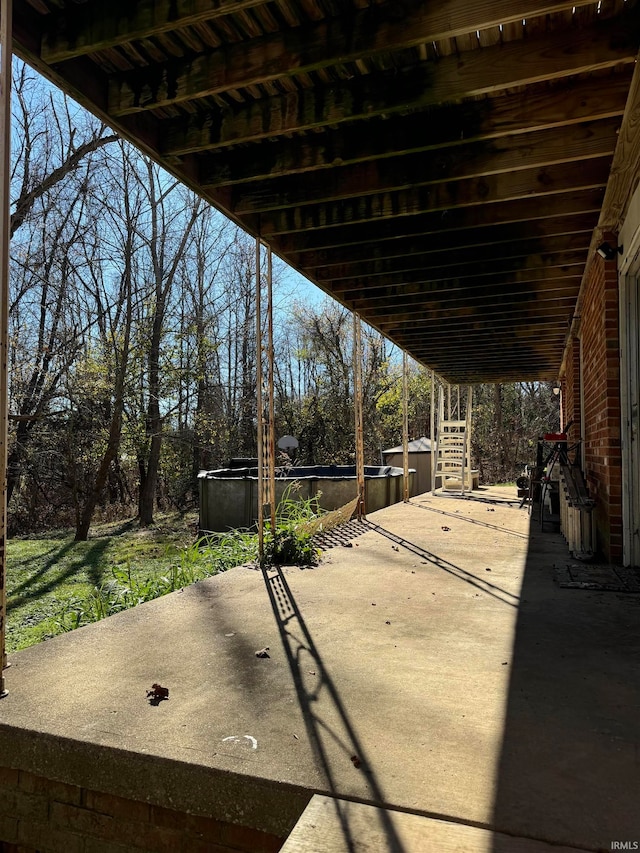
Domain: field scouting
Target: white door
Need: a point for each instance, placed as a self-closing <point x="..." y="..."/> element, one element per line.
<point x="630" y="405"/>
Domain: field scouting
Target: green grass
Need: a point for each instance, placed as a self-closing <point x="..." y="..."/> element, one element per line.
<point x="55" y="584"/>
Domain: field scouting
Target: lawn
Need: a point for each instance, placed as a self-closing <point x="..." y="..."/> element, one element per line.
<point x="55" y="584"/>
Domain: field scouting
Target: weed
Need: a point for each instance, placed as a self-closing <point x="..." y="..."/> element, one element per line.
<point x="292" y="540"/>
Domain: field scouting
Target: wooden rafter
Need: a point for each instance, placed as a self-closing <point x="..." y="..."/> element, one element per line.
<point x="512" y="154"/>
<point x="439" y="167"/>
<point x="271" y="59"/>
<point x="447" y="127"/>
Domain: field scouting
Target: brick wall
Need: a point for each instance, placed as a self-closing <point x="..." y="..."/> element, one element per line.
<point x="571" y="389"/>
<point x="599" y="329"/>
<point x="38" y="814"/>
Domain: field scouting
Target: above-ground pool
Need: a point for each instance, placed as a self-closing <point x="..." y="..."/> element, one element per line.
<point x="229" y="496"/>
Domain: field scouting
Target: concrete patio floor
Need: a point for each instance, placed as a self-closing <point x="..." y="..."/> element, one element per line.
<point x="431" y="665"/>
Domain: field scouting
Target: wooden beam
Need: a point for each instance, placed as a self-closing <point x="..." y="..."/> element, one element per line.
<point x="625" y="169"/>
<point x="103" y="24"/>
<point x="416" y="284"/>
<point x="531" y="367"/>
<point x="448" y="316"/>
<point x="351" y="288"/>
<point x="463" y="264"/>
<point x="423" y="258"/>
<point x="481" y="241"/>
<point x="470" y="222"/>
<point x="340" y="104"/>
<point x="471" y="361"/>
<point x="525" y="112"/>
<point x="493" y="69"/>
<point x="479" y="159"/>
<point x="529" y="185"/>
<point x="471" y="366"/>
<point x="499" y="340"/>
<point x="466" y="298"/>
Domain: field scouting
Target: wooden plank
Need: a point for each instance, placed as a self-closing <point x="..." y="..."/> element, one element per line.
<point x="473" y="258"/>
<point x="103" y="24"/>
<point x="340" y="826"/>
<point x="485" y="71"/>
<point x="455" y="300"/>
<point x="516" y="214"/>
<point x="625" y="169"/>
<point x="532" y="110"/>
<point x="528" y="279"/>
<point x="498" y="269"/>
<point x="478" y="346"/>
<point x="514" y="153"/>
<point x="488" y="310"/>
<point x="570" y="263"/>
<point x="470" y="298"/>
<point x="592" y="99"/>
<point x="623" y="181"/>
<point x="484" y="242"/>
<point x="527" y="185"/>
<point x="535" y="327"/>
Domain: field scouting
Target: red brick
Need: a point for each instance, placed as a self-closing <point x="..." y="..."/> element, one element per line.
<point x="117" y="807"/>
<point x="251" y="840"/>
<point x="160" y="840"/>
<point x="44" y="837"/>
<point x="8" y="828"/>
<point x="9" y="778"/>
<point x="205" y="827"/>
<point x="20" y="804"/>
<point x="52" y="790"/>
<point x="168" y="818"/>
<point x="99" y="845"/>
<point x="83" y="820"/>
<point x="17" y="848"/>
<point x="600" y="377"/>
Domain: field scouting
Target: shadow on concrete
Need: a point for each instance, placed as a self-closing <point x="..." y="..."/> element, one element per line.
<point x="301" y="651"/>
<point x="459" y="517"/>
<point x="569" y="767"/>
<point x="479" y="583"/>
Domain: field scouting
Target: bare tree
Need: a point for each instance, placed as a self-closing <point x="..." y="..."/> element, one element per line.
<point x="114" y="319"/>
<point x="48" y="150"/>
<point x="172" y="217"/>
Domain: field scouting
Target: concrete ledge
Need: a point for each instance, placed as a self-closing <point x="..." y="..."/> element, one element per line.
<point x="267" y="805"/>
<point x="340" y="826"/>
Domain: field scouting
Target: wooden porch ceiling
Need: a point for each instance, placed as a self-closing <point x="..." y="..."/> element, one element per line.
<point x="439" y="167"/>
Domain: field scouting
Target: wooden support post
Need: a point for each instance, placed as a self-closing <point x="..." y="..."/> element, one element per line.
<point x="271" y="438"/>
<point x="260" y="412"/>
<point x="467" y="431"/>
<point x="5" y="218"/>
<point x="357" y="406"/>
<point x="432" y="431"/>
<point x="405" y="425"/>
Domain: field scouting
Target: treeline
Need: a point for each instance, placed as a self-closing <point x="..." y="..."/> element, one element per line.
<point x="132" y="348"/>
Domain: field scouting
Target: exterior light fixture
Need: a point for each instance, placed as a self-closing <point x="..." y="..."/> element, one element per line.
<point x="556" y="388"/>
<point x="607" y="252"/>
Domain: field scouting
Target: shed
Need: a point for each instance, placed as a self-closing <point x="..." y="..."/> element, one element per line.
<point x="419" y="458"/>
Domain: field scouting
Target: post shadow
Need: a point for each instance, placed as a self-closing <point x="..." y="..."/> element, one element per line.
<point x="298" y="643"/>
<point x="476" y="581"/>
